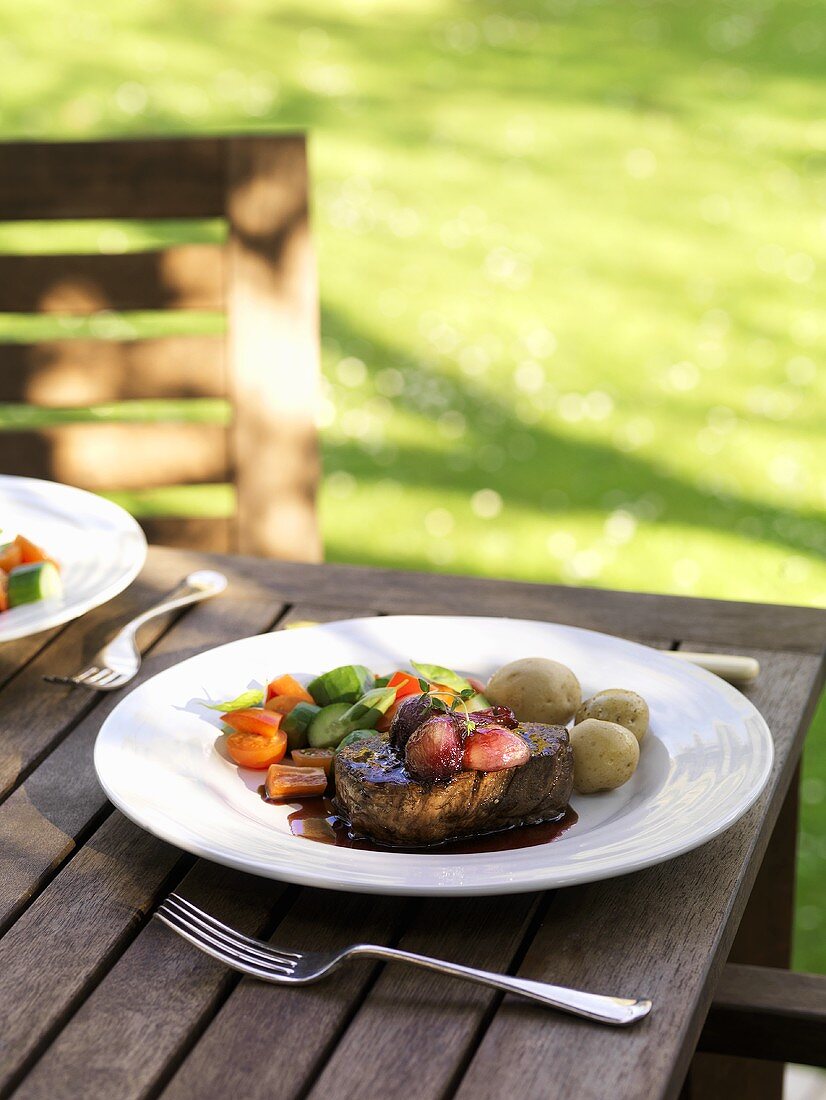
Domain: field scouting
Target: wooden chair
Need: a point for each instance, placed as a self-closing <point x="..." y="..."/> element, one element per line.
<point x="263" y="278"/>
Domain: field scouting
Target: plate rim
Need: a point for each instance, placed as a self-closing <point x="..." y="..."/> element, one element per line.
<point x="68" y="612"/>
<point x="580" y="874"/>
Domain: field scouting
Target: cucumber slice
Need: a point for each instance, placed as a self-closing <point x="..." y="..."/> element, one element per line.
<point x="346" y="684"/>
<point x="297" y="723"/>
<point x="369" y="709"/>
<point x="30" y="583"/>
<point x="327" y="729"/>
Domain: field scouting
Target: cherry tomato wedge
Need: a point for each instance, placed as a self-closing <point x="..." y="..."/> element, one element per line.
<point x="253" y="720"/>
<point x="314" y="758"/>
<point x="405" y="684"/>
<point x="251" y="750"/>
<point x="284" y="781"/>
<point x="288" y="685"/>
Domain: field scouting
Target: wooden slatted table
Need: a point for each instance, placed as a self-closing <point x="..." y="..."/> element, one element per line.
<point x="98" y="1000"/>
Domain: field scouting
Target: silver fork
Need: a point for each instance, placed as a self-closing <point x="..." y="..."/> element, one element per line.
<point x="260" y="960"/>
<point x="119" y="660"/>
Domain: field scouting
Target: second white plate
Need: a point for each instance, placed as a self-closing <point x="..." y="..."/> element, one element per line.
<point x="705" y="760"/>
<point x="100" y="547"/>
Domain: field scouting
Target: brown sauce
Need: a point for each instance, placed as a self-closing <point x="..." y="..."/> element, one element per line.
<point x="317" y="820"/>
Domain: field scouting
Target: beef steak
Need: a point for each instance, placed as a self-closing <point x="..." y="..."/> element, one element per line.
<point x="377" y="795"/>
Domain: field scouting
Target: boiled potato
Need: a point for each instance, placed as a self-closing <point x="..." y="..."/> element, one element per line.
<point x="619" y="705"/>
<point x="536" y="690"/>
<point x="605" y="755"/>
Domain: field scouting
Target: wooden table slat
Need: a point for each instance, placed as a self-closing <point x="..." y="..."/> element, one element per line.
<point x="55" y="953"/>
<point x="43" y="818"/>
<point x="416" y="1010"/>
<point x="303" y="1023"/>
<point x="138" y="1021"/>
<point x="776" y="627"/>
<point x="85" y="977"/>
<point x="673" y="923"/>
<point x="35" y="714"/>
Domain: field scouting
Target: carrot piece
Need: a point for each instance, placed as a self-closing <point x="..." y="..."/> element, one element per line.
<point x="10" y="556"/>
<point x="31" y="553"/>
<point x="282" y="704"/>
<point x="288" y="685"/>
<point x="405" y="684"/>
<point x="284" y="781"/>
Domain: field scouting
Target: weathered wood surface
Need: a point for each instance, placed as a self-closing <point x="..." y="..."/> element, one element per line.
<point x="103" y="456"/>
<point x="95" y="1001"/>
<point x="766" y="1013"/>
<point x="168" y="178"/>
<point x="628" y="614"/>
<point x="273" y="349"/>
<point x="186" y="276"/>
<point x="764" y="939"/>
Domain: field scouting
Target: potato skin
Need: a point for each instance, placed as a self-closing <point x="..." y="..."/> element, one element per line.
<point x="537" y="690"/>
<point x="605" y="755"/>
<point x="619" y="705"/>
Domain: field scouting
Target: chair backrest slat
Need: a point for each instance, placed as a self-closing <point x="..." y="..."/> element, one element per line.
<point x="267" y="365"/>
<point x="109" y="457"/>
<point x="189" y="276"/>
<point x="170" y="178"/>
<point x="77" y="373"/>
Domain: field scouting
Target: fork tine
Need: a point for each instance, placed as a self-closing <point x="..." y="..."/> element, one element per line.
<point x="86" y="675"/>
<point x="109" y="677"/>
<point x="217" y="952"/>
<point x="253" y="949"/>
<point x="217" y="926"/>
<point x="229" y="952"/>
<point x="61" y="680"/>
<point x="98" y="677"/>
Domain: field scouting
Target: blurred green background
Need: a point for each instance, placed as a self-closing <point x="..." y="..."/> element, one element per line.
<point x="572" y="276"/>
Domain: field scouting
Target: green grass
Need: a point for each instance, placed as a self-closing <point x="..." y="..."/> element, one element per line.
<point x="572" y="274"/>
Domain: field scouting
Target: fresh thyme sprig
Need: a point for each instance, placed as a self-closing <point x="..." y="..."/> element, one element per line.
<point x="460" y="699"/>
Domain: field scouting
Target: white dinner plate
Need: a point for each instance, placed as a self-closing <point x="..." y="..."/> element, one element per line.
<point x="100" y="547"/>
<point x="703" y="763"/>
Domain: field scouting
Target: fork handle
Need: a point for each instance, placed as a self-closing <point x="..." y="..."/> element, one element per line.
<point x="193" y="588"/>
<point x="617" y="1011"/>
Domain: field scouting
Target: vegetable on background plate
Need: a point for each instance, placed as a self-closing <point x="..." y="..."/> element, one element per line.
<point x="10" y="556"/>
<point x="32" y="582"/>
